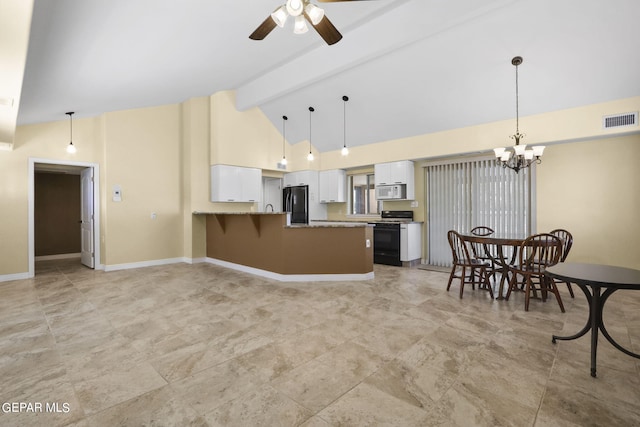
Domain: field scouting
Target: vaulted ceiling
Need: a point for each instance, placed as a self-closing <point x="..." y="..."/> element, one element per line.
<point x="409" y="67"/>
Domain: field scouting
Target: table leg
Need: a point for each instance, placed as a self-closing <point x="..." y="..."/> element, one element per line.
<point x="504" y="271"/>
<point x="587" y="325"/>
<point x="595" y="312"/>
<point x="604" y="298"/>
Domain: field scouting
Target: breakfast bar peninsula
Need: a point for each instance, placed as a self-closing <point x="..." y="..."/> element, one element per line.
<point x="266" y="245"/>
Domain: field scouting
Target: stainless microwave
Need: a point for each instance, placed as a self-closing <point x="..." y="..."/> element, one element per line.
<point x="390" y="192"/>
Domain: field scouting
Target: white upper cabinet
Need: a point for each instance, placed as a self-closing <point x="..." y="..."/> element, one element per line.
<point x="333" y="186"/>
<point x="235" y="184"/>
<point x="308" y="177"/>
<point x="394" y="173"/>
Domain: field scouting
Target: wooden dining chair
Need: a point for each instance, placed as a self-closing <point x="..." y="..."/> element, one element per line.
<point x="536" y="253"/>
<point x="478" y="249"/>
<point x="567" y="241"/>
<point x="473" y="271"/>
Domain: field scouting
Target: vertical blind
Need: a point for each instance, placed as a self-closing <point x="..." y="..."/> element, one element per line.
<point x="464" y="195"/>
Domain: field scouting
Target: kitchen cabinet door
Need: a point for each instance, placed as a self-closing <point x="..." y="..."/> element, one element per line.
<point x="251" y="179"/>
<point x="333" y="186"/>
<point x="382" y="173"/>
<point x="410" y="242"/>
<point x="235" y="184"/>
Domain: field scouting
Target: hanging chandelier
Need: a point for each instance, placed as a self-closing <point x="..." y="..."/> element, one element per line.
<point x="518" y="157"/>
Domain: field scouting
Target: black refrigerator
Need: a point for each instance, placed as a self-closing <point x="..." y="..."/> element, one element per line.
<point x="295" y="200"/>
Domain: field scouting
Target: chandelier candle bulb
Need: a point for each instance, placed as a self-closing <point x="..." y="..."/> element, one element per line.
<point x="538" y="150"/>
<point x="519" y="149"/>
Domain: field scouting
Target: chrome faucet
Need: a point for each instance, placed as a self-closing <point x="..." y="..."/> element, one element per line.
<point x="267" y="206"/>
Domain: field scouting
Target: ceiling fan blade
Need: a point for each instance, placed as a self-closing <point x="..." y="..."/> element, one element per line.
<point x="263" y="29"/>
<point x="336" y="1"/>
<point x="326" y="29"/>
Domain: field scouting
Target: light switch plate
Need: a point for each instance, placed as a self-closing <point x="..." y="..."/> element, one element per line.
<point x="117" y="193"/>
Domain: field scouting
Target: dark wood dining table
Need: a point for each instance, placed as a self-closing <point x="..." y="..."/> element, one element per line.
<point x="498" y="257"/>
<point x="592" y="279"/>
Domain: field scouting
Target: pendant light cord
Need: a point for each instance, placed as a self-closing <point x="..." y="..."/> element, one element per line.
<point x="311" y="110"/>
<point x="344" y="120"/>
<point x="284" y="122"/>
<point x="517" y="103"/>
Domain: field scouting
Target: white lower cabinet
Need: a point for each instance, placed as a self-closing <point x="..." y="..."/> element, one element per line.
<point x="410" y="241"/>
<point x="235" y="184"/>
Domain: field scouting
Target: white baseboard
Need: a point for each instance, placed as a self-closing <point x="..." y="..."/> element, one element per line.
<point x="59" y="256"/>
<point x="226" y="264"/>
<point x="291" y="277"/>
<point x="153" y="263"/>
<point x="15" y="276"/>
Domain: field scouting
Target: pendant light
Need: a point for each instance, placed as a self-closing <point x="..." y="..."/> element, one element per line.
<point x="310" y="155"/>
<point x="70" y="148"/>
<point x="284" y="121"/>
<point x="520" y="157"/>
<point x="345" y="150"/>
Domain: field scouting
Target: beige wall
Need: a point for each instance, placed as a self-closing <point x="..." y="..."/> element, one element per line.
<point x="142" y="154"/>
<point x="42" y="141"/>
<point x="161" y="157"/>
<point x="592" y="189"/>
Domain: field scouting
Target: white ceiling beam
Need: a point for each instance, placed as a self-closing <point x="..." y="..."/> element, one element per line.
<point x="15" y="24"/>
<point x="399" y="27"/>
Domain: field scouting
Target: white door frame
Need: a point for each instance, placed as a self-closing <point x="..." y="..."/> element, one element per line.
<point x="96" y="207"/>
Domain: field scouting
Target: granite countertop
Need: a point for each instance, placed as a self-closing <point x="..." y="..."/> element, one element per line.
<point x="237" y="213"/>
<point x="331" y="224"/>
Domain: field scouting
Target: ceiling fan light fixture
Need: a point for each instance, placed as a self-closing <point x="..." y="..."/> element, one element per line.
<point x="300" y="26"/>
<point x="295" y="7"/>
<point x="280" y="16"/>
<point x="314" y="13"/>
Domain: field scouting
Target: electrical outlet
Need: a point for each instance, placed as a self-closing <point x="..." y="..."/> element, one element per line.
<point x="368" y="243"/>
<point x="414" y="204"/>
<point x="154" y="215"/>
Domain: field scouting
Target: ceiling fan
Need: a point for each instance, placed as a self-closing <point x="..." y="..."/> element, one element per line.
<point x="302" y="11"/>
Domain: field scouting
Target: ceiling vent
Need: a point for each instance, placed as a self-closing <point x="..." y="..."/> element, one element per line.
<point x="620" y="120"/>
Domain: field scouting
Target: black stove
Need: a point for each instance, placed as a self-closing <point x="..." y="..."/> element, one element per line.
<point x="396" y="216"/>
<point x="386" y="237"/>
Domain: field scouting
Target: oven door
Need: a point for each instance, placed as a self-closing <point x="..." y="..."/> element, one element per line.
<point x="386" y="244"/>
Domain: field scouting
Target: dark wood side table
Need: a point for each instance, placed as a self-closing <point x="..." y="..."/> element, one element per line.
<point x="596" y="277"/>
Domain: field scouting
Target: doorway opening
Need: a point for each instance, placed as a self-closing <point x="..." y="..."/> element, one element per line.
<point x="87" y="221"/>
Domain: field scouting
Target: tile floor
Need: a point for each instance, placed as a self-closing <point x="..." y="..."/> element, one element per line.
<point x="184" y="345"/>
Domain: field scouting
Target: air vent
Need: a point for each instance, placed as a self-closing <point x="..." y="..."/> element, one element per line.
<point x="620" y="120"/>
